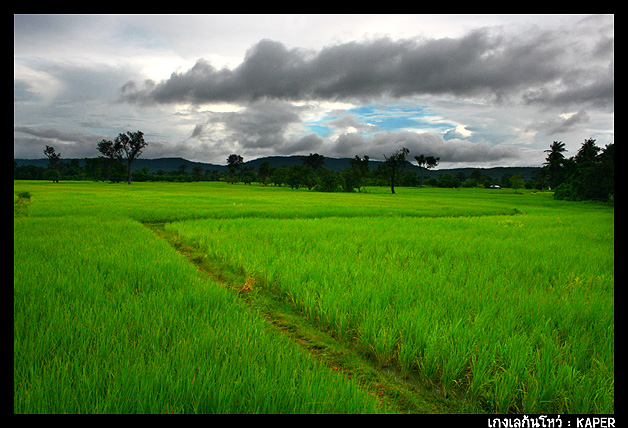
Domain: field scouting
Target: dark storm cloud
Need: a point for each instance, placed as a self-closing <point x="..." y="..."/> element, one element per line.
<point x="542" y="67"/>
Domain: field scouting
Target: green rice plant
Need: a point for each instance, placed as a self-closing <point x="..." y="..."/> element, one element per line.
<point x="108" y="318"/>
<point x="501" y="282"/>
<point x="508" y="298"/>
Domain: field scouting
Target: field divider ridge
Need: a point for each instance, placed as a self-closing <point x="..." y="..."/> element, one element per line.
<point x="403" y="395"/>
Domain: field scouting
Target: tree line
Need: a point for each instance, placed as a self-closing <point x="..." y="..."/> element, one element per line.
<point x="587" y="175"/>
<point x="114" y="164"/>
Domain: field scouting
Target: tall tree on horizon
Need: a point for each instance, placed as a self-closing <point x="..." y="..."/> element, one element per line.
<point x="126" y="147"/>
<point x="587" y="153"/>
<point x="426" y="162"/>
<point x="315" y="161"/>
<point x="53" y="162"/>
<point x="555" y="161"/>
<point x="233" y="162"/>
<point x="395" y="162"/>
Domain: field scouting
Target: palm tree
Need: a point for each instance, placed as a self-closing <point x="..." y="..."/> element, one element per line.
<point x="555" y="160"/>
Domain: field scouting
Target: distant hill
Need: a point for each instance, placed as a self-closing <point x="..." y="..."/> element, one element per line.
<point x="495" y="173"/>
<point x="154" y="165"/>
<point x="335" y="164"/>
<point x="338" y="164"/>
<point x="173" y="164"/>
<point x="280" y="161"/>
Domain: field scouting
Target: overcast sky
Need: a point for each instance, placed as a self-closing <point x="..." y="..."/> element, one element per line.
<point x="475" y="90"/>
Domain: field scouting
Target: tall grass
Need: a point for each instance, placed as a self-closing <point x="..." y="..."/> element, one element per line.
<point x="108" y="318"/>
<point x="515" y="311"/>
<point x="518" y="311"/>
<point x="164" y="202"/>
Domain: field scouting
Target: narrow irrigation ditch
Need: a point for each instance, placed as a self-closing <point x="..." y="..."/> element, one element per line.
<point x="400" y="393"/>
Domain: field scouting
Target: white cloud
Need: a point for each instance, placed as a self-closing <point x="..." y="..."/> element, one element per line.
<point x="39" y="83"/>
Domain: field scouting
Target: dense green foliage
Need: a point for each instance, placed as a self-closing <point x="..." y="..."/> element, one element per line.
<point x="589" y="175"/>
<point x="338" y="175"/>
<point x="501" y="297"/>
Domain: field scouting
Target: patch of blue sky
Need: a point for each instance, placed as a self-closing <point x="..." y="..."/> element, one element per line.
<point x="322" y="127"/>
<point x="318" y="129"/>
<point x="386" y="117"/>
<point x="402" y="116"/>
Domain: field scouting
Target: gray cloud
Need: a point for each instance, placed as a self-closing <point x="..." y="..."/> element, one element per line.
<point x="300" y="144"/>
<point x="541" y="67"/>
<point x="560" y="125"/>
<point x="453" y="150"/>
<point x="263" y="127"/>
<point x="70" y="143"/>
<point x="261" y="124"/>
<point x="67" y="137"/>
<point x="596" y="91"/>
<point x="346" y="122"/>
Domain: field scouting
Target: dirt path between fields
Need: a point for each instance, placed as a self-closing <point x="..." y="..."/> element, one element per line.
<point x="402" y="394"/>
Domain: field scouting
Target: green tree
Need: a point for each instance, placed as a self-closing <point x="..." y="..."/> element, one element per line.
<point x="469" y="182"/>
<point x="131" y="146"/>
<point x="126" y="147"/>
<point x="592" y="175"/>
<point x="301" y="175"/>
<point x="264" y="171"/>
<point x="106" y="166"/>
<point x="448" y="180"/>
<point x="555" y="162"/>
<point x="587" y="154"/>
<point x="356" y="174"/>
<point x="329" y="181"/>
<point x="29" y="172"/>
<point x="73" y="171"/>
<point x="395" y="163"/>
<point x="314" y="161"/>
<point x="279" y="176"/>
<point x="606" y="165"/>
<point x="247" y="176"/>
<point x="197" y="171"/>
<point x="233" y="162"/>
<point x="53" y="163"/>
<point x="426" y="162"/>
<point x="360" y="164"/>
<point x="353" y="179"/>
<point x="516" y="182"/>
<point x="541" y="177"/>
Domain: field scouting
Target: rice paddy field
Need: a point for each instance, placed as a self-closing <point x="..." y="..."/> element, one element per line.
<point x="499" y="302"/>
